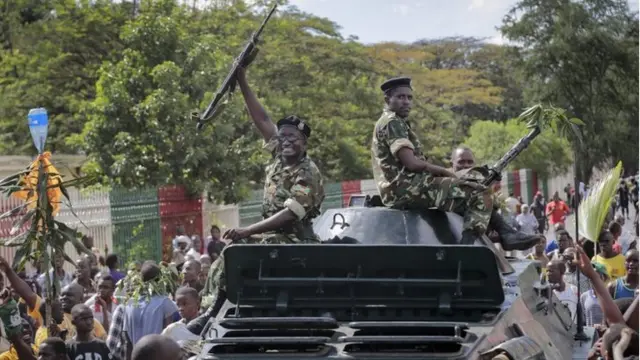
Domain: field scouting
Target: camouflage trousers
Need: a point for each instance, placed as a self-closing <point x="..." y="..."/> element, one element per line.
<point x="425" y="191"/>
<point x="217" y="281"/>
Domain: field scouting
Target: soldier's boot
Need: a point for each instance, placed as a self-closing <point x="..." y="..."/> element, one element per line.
<point x="511" y="239"/>
<point x="197" y="325"/>
<point x="469" y="237"/>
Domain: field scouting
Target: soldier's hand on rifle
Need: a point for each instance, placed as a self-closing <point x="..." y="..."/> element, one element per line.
<point x="241" y="74"/>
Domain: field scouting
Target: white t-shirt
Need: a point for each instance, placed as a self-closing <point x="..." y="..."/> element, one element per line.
<point x="569" y="297"/>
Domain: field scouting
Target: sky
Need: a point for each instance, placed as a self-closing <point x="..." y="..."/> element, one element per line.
<point x="410" y="20"/>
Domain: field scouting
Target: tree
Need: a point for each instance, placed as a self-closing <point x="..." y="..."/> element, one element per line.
<point x="583" y="56"/>
<point x="53" y="63"/>
<point x="548" y="155"/>
<point x="139" y="132"/>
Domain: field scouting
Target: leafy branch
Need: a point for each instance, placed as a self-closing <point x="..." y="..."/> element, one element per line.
<point x="544" y="117"/>
<point x="42" y="189"/>
<point x="133" y="287"/>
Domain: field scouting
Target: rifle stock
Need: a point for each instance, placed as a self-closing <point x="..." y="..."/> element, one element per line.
<point x="228" y="85"/>
<point x="496" y="170"/>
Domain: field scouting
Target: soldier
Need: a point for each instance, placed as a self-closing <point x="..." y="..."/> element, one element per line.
<point x="293" y="193"/>
<point x="405" y="179"/>
<point x="462" y="158"/>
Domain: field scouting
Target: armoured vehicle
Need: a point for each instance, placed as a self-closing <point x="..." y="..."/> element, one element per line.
<point x="403" y="289"/>
<point x="390" y="284"/>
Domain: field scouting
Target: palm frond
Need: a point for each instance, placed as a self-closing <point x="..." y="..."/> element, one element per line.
<point x="594" y="208"/>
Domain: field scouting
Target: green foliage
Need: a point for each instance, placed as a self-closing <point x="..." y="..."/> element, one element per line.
<point x="135" y="289"/>
<point x="53" y="63"/>
<point x="583" y="56"/>
<point x="139" y="248"/>
<point x="547" y="155"/>
<point x="121" y="88"/>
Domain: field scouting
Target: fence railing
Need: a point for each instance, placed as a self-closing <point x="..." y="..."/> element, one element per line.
<point x="140" y="224"/>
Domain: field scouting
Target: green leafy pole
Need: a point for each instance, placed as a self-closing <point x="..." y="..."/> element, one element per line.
<point x="42" y="188"/>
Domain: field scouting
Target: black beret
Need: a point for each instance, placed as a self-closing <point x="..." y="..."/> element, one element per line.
<point x="297" y="123"/>
<point x="395" y="83"/>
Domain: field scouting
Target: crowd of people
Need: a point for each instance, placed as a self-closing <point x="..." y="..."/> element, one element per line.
<point x="90" y="320"/>
<point x="608" y="268"/>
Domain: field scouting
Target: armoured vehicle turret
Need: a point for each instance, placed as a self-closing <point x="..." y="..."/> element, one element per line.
<point x="398" y="287"/>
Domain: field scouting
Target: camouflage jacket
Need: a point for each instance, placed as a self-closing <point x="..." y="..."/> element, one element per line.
<point x="299" y="188"/>
<point x="390" y="134"/>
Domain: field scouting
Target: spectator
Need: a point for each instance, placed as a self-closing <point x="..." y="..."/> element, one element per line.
<point x="538" y="254"/>
<point x="102" y="303"/>
<point x="614" y="263"/>
<point x="566" y="293"/>
<point x="27" y="338"/>
<point x="52" y="348"/>
<point x="557" y="210"/>
<point x="84" y="346"/>
<point x="527" y="221"/>
<point x="538" y="210"/>
<point x="23" y="290"/>
<point x="191" y="275"/>
<point x="552" y="244"/>
<point x="626" y="286"/>
<point x="112" y="264"/>
<point x="156" y="347"/>
<point x="205" y="265"/>
<point x="512" y="204"/>
<point x="64" y="278"/>
<point x="623" y="198"/>
<point x="571" y="276"/>
<point x="214" y="248"/>
<point x="194" y="250"/>
<point x="564" y="242"/>
<point x="616" y="230"/>
<point x="131" y="322"/>
<point x="71" y="296"/>
<point x="188" y="302"/>
<point x="214" y="236"/>
<point x="83" y="277"/>
<point x="589" y="299"/>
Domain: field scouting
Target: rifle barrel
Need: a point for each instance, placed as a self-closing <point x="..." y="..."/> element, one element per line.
<point x="226" y="84"/>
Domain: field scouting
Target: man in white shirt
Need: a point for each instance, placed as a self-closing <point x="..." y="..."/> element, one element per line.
<point x="566" y="293"/>
<point x="512" y="204"/>
<point x="64" y="278"/>
<point x="194" y="249"/>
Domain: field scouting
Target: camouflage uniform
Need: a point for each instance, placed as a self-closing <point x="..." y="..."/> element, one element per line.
<point x="299" y="188"/>
<point x="400" y="188"/>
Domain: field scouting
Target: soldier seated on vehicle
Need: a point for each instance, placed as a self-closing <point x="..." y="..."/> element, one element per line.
<point x="406" y="180"/>
<point x="293" y="194"/>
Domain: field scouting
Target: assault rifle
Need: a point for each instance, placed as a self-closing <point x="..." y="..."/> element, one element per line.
<point x="245" y="58"/>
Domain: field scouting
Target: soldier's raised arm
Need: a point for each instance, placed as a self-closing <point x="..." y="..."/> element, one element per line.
<point x="259" y="116"/>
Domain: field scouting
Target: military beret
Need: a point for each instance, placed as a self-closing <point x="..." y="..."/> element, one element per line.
<point x="395" y="83"/>
<point x="296" y="122"/>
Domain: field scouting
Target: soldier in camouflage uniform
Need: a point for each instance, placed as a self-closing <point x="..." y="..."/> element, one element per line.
<point x="405" y="179"/>
<point x="293" y="194"/>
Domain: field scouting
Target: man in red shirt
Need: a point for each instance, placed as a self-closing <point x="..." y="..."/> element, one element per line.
<point x="557" y="210"/>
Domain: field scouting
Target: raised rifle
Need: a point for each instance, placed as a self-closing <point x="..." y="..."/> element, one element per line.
<point x="245" y="58"/>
